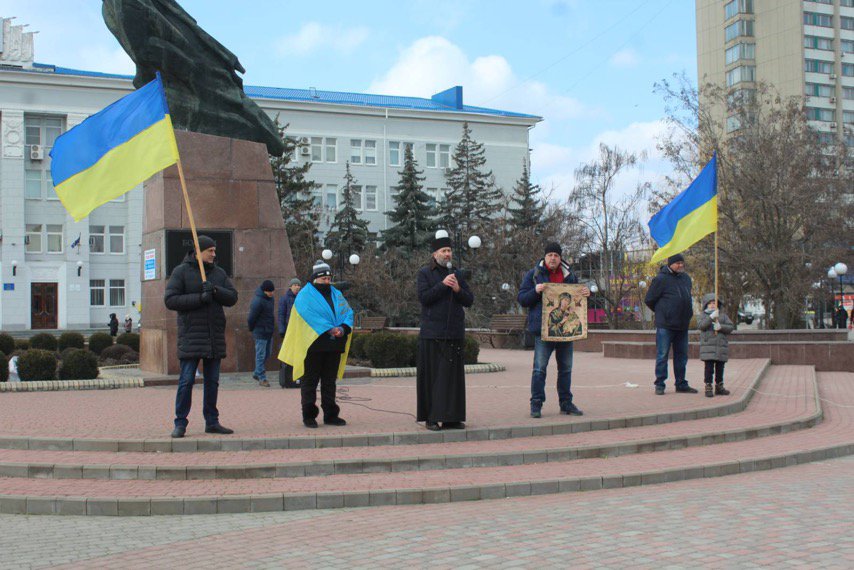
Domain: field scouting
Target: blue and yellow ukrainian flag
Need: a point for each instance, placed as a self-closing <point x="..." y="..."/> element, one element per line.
<point x="691" y="216"/>
<point x="311" y="316"/>
<point x="112" y="151"/>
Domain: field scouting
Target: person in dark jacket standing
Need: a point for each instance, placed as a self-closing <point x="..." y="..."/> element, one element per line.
<point x="715" y="328"/>
<point x="286" y="303"/>
<point x="841" y="318"/>
<point x="201" y="331"/>
<point x="669" y="297"/>
<point x="113" y="324"/>
<point x="550" y="269"/>
<point x="440" y="381"/>
<point x="262" y="324"/>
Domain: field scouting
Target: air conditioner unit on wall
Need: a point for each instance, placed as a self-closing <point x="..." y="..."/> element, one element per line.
<point x="304" y="140"/>
<point x="832" y="76"/>
<point x="36" y="152"/>
<point x="305" y="151"/>
<point x="833" y="125"/>
<point x="833" y="100"/>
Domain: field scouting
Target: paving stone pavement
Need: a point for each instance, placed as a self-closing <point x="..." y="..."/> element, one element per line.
<point x="792" y="517"/>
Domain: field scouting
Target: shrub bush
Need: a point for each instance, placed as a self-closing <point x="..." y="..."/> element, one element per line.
<point x="78" y="364"/>
<point x="357" y="345"/>
<point x="99" y="341"/>
<point x="22" y="344"/>
<point x="413" y="342"/>
<point x="65" y="352"/>
<point x="43" y="341"/>
<point x="36" y="364"/>
<point x="7" y="344"/>
<point x="388" y="350"/>
<point x="471" y="351"/>
<point x="71" y="340"/>
<point x="131" y="357"/>
<point x="115" y="353"/>
<point x="129" y="339"/>
<point x="4" y="367"/>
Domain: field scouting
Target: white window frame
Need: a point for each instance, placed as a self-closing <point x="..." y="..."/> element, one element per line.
<point x="816" y="42"/>
<point x="316" y="146"/>
<point x="33" y="233"/>
<point x="356" y="151"/>
<point x="444" y="156"/>
<point x="331" y="189"/>
<point x="120" y="233"/>
<point x="120" y="289"/>
<point x="54" y="233"/>
<point x="370" y="193"/>
<point x="356" y="195"/>
<point x="94" y="234"/>
<point x="818" y="19"/>
<point x="98" y="285"/>
<point x="370" y="150"/>
<point x="398" y="148"/>
<point x="330" y="148"/>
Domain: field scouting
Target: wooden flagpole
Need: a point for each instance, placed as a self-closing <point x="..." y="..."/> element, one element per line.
<point x="193" y="223"/>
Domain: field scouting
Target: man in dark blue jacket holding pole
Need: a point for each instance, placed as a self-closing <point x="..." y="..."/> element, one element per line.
<point x="262" y="323"/>
<point x="550" y="269"/>
<point x="669" y="297"/>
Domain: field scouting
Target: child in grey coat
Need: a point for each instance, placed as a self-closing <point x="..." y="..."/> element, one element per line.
<point x="715" y="328"/>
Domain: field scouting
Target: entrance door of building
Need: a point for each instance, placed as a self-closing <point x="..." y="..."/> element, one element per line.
<point x="44" y="305"/>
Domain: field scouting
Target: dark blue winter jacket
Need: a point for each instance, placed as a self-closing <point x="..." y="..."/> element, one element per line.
<point x="262" y="321"/>
<point x="442" y="314"/>
<point x="669" y="296"/>
<point x="533" y="301"/>
<point x="286" y="303"/>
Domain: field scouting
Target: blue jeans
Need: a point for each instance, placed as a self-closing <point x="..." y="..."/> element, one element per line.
<point x="263" y="348"/>
<point x="184" y="398"/>
<point x="664" y="339"/>
<point x="563" y="355"/>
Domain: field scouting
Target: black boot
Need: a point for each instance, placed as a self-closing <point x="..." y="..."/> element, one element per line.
<point x="720" y="390"/>
<point x="709" y="392"/>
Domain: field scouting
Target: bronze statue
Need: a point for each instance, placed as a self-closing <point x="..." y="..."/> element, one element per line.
<point x="203" y="90"/>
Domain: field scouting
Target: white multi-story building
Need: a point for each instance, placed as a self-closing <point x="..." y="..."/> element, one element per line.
<point x="57" y="273"/>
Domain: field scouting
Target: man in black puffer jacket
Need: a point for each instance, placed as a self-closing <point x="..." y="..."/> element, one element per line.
<point x="201" y="331"/>
<point x="669" y="296"/>
<point x="262" y="325"/>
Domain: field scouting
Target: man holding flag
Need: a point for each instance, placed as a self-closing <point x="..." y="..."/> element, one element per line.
<point x="688" y="218"/>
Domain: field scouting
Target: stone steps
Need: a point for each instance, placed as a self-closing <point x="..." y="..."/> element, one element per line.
<point x="765" y="415"/>
<point x="831" y="437"/>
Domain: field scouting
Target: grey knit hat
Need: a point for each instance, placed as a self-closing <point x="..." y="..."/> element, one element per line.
<point x="320" y="269"/>
<point x="295" y="281"/>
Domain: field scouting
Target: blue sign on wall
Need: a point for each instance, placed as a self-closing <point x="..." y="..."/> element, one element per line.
<point x="8" y="286"/>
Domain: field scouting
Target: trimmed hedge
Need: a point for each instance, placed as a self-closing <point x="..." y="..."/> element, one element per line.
<point x="357" y="345"/>
<point x="36" y="364"/>
<point x="71" y="340"/>
<point x="4" y="367"/>
<point x="7" y="344"/>
<point x="99" y="341"/>
<point x="129" y="339"/>
<point x="388" y="350"/>
<point x="22" y="344"/>
<point x="472" y="350"/>
<point x="78" y="364"/>
<point x="43" y="341"/>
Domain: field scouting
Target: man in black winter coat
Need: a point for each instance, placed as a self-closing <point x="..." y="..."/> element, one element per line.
<point x="262" y="324"/>
<point x="669" y="296"/>
<point x="201" y="331"/>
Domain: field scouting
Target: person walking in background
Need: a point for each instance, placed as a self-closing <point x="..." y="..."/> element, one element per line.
<point x="201" y="331"/>
<point x="128" y="324"/>
<point x="316" y="344"/>
<point x="113" y="324"/>
<point x="669" y="297"/>
<point x="441" y="380"/>
<point x="841" y="318"/>
<point x="286" y="303"/>
<point x="550" y="269"/>
<point x="715" y="328"/>
<point x="262" y="325"/>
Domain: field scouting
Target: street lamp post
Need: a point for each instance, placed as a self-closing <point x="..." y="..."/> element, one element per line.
<point x="327" y="254"/>
<point x="836" y="272"/>
<point x="642" y="285"/>
<point x="474" y="243"/>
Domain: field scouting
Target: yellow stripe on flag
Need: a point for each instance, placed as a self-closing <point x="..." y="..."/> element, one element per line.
<point x="298" y="338"/>
<point x="690" y="229"/>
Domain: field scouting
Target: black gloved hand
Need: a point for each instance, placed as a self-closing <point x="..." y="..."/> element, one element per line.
<point x="207" y="292"/>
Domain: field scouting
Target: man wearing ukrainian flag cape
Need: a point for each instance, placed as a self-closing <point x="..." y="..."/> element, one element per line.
<point x="316" y="344"/>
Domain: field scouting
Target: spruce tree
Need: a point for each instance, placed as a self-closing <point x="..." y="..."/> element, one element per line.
<point x="472" y="199"/>
<point x="412" y="216"/>
<point x="293" y="190"/>
<point x="528" y="211"/>
<point x="348" y="233"/>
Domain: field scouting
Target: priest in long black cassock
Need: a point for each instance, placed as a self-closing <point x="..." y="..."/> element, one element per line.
<point x="441" y="382"/>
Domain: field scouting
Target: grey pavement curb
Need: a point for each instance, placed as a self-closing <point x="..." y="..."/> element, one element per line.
<point x="377" y="439"/>
<point x="58" y="385"/>
<point x="146" y="506"/>
<point x="420" y="463"/>
<point x="411" y="370"/>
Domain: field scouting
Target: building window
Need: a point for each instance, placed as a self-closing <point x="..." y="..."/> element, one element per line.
<point x="738" y="7"/>
<point x="818" y="66"/>
<point x="739" y="28"/>
<point x="332" y="197"/>
<point x="848" y="117"/>
<point x="96" y="239"/>
<point x="356" y="197"/>
<point x="740" y="51"/>
<point x="431" y="195"/>
<point x="396" y="152"/>
<point x="371" y="198"/>
<point x="826" y="138"/>
<point x="370" y="152"/>
<point x="816" y="114"/>
<point x="363" y="151"/>
<point x="819" y="90"/>
<point x="847" y="3"/>
<point x="316" y="149"/>
<point x="117" y="292"/>
<point x="848" y="69"/>
<point x="331" y="145"/>
<point x="848" y="93"/>
<point x="356" y="151"/>
<point x="830" y="2"/>
<point x="438" y="155"/>
<point x="732" y="123"/>
<point x="847" y="46"/>
<point x="33" y="238"/>
<point x="33" y="187"/>
<point x="96" y="292"/>
<point x="740" y="74"/>
<point x="816" y="42"/>
<point x="117" y="239"/>
<point x="317" y="198"/>
<point x="54" y="238"/>
<point x="846" y="23"/>
<point x="817" y="19"/>
<point x="323" y="149"/>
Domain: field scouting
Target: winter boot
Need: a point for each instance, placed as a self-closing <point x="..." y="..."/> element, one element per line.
<point x="720" y="390"/>
<point x="709" y="393"/>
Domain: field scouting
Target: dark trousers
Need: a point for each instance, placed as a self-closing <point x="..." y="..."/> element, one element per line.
<point x="184" y="397"/>
<point x="714" y="368"/>
<point x="320" y="367"/>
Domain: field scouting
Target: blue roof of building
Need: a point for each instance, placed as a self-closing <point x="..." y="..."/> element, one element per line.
<point x="449" y="101"/>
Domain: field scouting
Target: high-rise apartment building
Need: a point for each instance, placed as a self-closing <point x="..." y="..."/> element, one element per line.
<point x="801" y="47"/>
